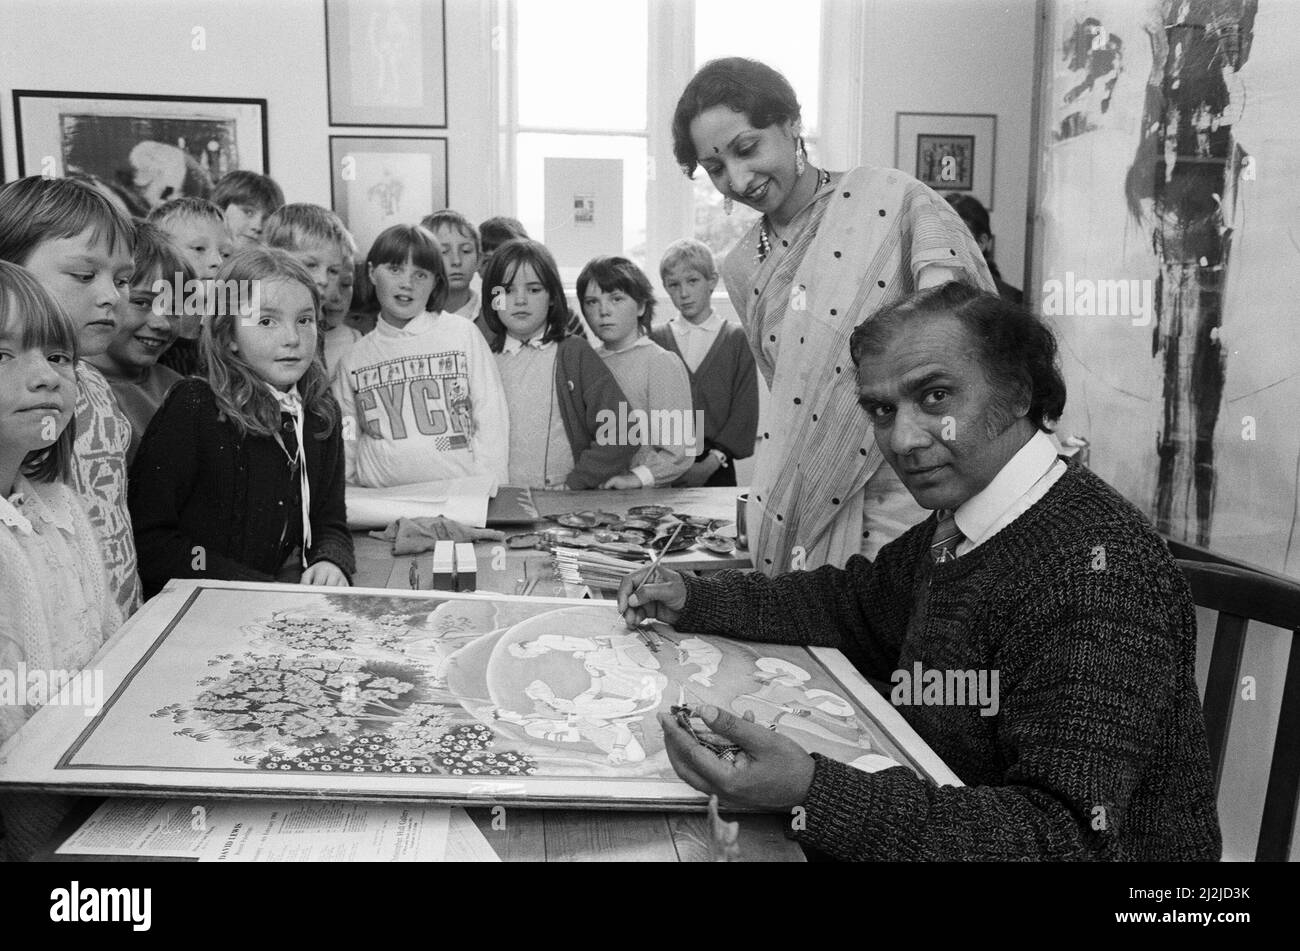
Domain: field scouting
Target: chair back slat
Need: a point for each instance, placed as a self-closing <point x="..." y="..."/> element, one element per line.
<point x="1278" y="822"/>
<point x="1221" y="687"/>
<point x="1240" y="596"/>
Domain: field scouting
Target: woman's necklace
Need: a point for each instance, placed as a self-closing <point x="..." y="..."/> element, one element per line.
<point x="765" y="229"/>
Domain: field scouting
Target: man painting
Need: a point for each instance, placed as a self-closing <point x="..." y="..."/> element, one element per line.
<point x="1031" y="567"/>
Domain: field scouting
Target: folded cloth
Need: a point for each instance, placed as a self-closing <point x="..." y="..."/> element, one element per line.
<point x="410" y="536"/>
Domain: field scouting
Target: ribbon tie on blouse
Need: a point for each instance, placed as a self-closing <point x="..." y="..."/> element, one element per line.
<point x="292" y="439"/>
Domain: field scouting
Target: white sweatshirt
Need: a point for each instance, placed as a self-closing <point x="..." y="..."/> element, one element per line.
<point x="422" y="403"/>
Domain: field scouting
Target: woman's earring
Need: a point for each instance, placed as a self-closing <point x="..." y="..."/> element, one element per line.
<point x="728" y="204"/>
<point x="799" y="164"/>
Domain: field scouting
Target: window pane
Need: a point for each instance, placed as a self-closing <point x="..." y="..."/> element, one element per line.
<point x="582" y="63"/>
<point x="784" y="35"/>
<point x="715" y="227"/>
<point x="533" y="150"/>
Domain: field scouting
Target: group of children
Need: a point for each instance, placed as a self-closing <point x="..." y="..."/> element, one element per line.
<point x="188" y="395"/>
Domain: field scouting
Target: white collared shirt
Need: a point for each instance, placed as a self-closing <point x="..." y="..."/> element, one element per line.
<point x="514" y="344"/>
<point x="694" y="340"/>
<point x="1018" y="485"/>
<point x="419" y="324"/>
<point x="642" y="340"/>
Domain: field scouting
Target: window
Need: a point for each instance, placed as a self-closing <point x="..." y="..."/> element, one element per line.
<point x="599" y="79"/>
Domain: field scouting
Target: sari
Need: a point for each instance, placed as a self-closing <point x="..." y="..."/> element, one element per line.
<point x="862" y="246"/>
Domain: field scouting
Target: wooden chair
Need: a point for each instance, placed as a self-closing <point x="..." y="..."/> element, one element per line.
<point x="1240" y="596"/>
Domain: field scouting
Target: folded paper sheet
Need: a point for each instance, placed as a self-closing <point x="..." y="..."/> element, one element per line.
<point x="465" y="500"/>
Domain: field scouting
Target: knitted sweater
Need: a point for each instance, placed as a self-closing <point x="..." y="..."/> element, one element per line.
<point x="198" y="484"/>
<point x="1098" y="747"/>
<point x="585" y="386"/>
<point x="656" y="385"/>
<point x="725" y="387"/>
<point x="425" y="403"/>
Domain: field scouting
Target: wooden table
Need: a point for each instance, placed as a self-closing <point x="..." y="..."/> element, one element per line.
<point x="568" y="835"/>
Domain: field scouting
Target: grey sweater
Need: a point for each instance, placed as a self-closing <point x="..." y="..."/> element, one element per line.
<point x="1098" y="747"/>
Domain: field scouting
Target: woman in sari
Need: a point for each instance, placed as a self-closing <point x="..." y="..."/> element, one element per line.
<point x="831" y="249"/>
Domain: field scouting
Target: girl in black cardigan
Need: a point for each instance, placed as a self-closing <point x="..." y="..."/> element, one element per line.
<point x="240" y="476"/>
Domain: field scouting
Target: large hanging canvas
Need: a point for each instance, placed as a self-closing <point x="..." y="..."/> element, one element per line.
<point x="238" y="689"/>
<point x="1167" y="239"/>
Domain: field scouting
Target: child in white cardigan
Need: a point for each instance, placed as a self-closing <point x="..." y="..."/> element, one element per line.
<point x="56" y="609"/>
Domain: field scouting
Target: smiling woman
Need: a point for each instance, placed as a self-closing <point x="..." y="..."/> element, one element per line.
<point x="829" y="250"/>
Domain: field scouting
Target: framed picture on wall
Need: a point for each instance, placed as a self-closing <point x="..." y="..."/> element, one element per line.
<point x="144" y="149"/>
<point x="382" y="181"/>
<point x="387" y="63"/>
<point x="950" y="152"/>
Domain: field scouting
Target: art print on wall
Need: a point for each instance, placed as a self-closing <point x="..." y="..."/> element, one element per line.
<point x="1166" y="252"/>
<point x="143" y="150"/>
<point x="387" y="63"/>
<point x="378" y="182"/>
<point x="950" y="152"/>
<point x="217" y="686"/>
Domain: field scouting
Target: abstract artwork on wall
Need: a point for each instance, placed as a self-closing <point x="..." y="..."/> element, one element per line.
<point x="144" y="150"/>
<point x="256" y="689"/>
<point x="378" y="182"/>
<point x="1166" y="251"/>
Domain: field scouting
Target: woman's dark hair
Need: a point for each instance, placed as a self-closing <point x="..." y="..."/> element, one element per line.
<point x="400" y="243"/>
<point x="1016" y="350"/>
<point x="742" y="85"/>
<point x="973" y="213"/>
<point x="620" y="274"/>
<point x="506" y="261"/>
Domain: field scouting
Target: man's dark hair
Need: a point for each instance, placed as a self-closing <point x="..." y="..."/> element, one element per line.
<point x="1016" y="350"/>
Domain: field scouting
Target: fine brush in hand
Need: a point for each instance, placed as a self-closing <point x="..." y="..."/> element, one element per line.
<point x="654" y="562"/>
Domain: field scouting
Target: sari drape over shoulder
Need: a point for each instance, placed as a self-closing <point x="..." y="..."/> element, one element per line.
<point x="867" y="239"/>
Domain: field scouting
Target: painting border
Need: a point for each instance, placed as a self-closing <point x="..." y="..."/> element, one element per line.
<point x="22" y="96"/>
<point x="343" y="112"/>
<point x="339" y="186"/>
<point x="982" y="125"/>
<point x="37" y="756"/>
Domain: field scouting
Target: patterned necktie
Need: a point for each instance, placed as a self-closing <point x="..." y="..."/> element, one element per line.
<point x="947" y="536"/>
<point x="291" y="437"/>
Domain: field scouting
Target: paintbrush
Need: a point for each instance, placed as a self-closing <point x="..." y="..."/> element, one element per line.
<point x="654" y="564"/>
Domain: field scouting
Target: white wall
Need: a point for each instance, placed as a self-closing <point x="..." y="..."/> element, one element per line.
<point x="957" y="56"/>
<point x="271" y="49"/>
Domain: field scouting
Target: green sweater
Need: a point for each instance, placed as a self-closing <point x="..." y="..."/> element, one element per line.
<point x="1097" y="750"/>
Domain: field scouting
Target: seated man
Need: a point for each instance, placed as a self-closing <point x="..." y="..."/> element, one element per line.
<point x="1044" y="575"/>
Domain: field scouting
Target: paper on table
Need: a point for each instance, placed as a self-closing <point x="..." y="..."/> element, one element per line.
<point x="465" y="500"/>
<point x="465" y="843"/>
<point x="288" y="830"/>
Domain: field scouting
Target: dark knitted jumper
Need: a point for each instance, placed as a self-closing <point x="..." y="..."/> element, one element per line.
<point x="1098" y="750"/>
<point x="197" y="483"/>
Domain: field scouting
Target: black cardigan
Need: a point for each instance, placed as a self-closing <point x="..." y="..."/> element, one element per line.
<point x="198" y="487"/>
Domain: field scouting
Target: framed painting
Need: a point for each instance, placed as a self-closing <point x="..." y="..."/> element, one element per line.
<point x="144" y="149"/>
<point x="381" y="181"/>
<point x="387" y="63"/>
<point x="227" y="689"/>
<point x="950" y="152"/>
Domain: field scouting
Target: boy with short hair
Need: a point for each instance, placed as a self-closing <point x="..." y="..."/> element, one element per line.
<point x="148" y="324"/>
<point x="460" y="246"/>
<point x="724" y="381"/>
<point x="317" y="238"/>
<point x="247" y="199"/>
<point x="199" y="230"/>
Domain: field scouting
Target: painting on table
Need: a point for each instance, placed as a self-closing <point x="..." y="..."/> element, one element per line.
<point x="217" y="687"/>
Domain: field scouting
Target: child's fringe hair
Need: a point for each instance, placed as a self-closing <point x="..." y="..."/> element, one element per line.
<point x="28" y="308"/>
<point x="242" y="396"/>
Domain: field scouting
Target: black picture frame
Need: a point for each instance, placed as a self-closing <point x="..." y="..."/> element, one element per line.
<point x="362" y="170"/>
<point x="391" y="43"/>
<point x="195" y="140"/>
